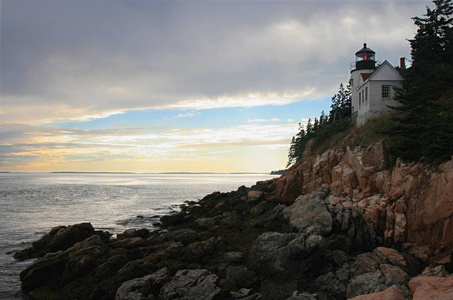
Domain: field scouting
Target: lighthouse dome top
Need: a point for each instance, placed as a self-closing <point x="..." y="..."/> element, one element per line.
<point x="364" y="50"/>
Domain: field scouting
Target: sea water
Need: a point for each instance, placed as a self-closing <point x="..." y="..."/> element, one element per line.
<point x="32" y="203"/>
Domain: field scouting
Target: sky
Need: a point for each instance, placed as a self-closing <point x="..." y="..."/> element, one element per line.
<point x="178" y="86"/>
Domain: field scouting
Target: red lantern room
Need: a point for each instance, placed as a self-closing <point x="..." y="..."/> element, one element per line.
<point x="365" y="59"/>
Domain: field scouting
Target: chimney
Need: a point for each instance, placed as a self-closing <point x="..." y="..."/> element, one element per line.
<point x="403" y="63"/>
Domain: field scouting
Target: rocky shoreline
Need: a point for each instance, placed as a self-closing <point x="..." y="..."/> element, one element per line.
<point x="305" y="235"/>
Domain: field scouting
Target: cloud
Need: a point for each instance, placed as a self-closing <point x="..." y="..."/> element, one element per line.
<point x="25" y="147"/>
<point x="264" y="120"/>
<point x="187" y="115"/>
<point x="91" y="59"/>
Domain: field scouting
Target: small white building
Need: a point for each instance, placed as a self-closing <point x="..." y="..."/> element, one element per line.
<point x="372" y="86"/>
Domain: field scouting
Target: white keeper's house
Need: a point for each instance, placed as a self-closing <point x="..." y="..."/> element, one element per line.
<point x="372" y="85"/>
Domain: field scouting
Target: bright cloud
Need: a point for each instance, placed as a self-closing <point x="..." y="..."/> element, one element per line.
<point x="25" y="146"/>
<point x="264" y="120"/>
<point x="187" y="115"/>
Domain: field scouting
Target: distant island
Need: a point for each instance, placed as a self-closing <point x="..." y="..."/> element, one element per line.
<point x="75" y="172"/>
<point x="279" y="172"/>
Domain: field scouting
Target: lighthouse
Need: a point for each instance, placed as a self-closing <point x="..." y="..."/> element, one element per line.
<point x="372" y="86"/>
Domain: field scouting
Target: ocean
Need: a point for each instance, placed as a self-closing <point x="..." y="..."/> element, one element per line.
<point x="32" y="203"/>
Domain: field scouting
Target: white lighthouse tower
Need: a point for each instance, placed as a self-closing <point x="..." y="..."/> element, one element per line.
<point x="372" y="86"/>
<point x="361" y="70"/>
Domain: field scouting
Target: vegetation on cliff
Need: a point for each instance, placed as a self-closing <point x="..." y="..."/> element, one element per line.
<point x="325" y="128"/>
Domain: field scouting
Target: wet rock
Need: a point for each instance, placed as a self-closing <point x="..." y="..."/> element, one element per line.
<point x="259" y="209"/>
<point x="131" y="233"/>
<point x="392" y="255"/>
<point x="59" y="238"/>
<point x="246" y="294"/>
<point x="282" y="254"/>
<point x="240" y="276"/>
<point x="144" y="287"/>
<point x="366" y="283"/>
<point x="206" y="223"/>
<point x="393" y="275"/>
<point x="129" y="243"/>
<point x="192" y="284"/>
<point x="38" y="274"/>
<point x="233" y="257"/>
<point x="185" y="236"/>
<point x="303" y="296"/>
<point x="391" y="293"/>
<point x="433" y="270"/>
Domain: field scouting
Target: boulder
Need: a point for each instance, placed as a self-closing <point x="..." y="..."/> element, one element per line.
<point x="366" y="283"/>
<point x="391" y="293"/>
<point x="44" y="269"/>
<point x="284" y="255"/>
<point x="142" y="288"/>
<point x="393" y="275"/>
<point x="185" y="236"/>
<point x="392" y="255"/>
<point x="303" y="296"/>
<point x="431" y="287"/>
<point x="240" y="277"/>
<point x="59" y="238"/>
<point x="192" y="284"/>
<point x="433" y="270"/>
<point x="246" y="294"/>
<point x="259" y="209"/>
<point x="233" y="257"/>
<point x="309" y="211"/>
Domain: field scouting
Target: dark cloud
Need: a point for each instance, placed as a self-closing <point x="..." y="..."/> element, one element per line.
<point x="63" y="59"/>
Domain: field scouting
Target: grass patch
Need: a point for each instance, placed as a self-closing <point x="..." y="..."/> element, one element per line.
<point x="332" y="136"/>
<point x="373" y="131"/>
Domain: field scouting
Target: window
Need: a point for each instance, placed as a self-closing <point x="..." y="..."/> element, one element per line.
<point x="363" y="96"/>
<point x="366" y="94"/>
<point x="386" y="92"/>
<point x="360" y="98"/>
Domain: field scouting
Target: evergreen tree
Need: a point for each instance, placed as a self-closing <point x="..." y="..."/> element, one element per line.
<point x="319" y="129"/>
<point x="323" y="119"/>
<point x="424" y="129"/>
<point x="341" y="104"/>
<point x="315" y="125"/>
<point x="309" y="128"/>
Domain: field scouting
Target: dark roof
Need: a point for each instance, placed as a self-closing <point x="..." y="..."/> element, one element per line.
<point x="364" y="49"/>
<point x="365" y="76"/>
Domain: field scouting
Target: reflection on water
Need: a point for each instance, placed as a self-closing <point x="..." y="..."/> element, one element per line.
<point x="33" y="203"/>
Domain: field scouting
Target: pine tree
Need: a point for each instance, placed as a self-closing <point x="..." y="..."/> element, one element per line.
<point x="424" y="129"/>
<point x="341" y="104"/>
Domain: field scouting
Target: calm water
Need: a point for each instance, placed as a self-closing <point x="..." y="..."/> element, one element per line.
<point x="31" y="204"/>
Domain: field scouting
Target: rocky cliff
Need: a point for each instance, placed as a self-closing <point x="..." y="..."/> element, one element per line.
<point x="409" y="205"/>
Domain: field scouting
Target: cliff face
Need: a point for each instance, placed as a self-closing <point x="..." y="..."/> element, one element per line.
<point x="411" y="204"/>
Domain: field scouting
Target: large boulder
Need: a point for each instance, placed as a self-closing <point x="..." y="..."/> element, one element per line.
<point x="391" y="293"/>
<point x="310" y="212"/>
<point x="431" y="287"/>
<point x="283" y="255"/>
<point x="192" y="284"/>
<point x="59" y="238"/>
<point x="143" y="287"/>
<point x="376" y="271"/>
